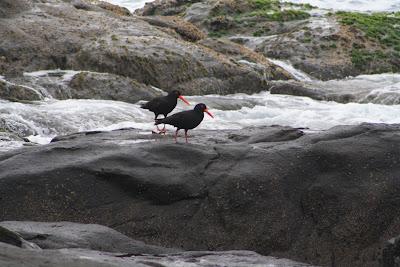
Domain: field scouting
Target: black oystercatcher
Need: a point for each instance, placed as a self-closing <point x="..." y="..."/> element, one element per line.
<point x="186" y="119"/>
<point x="164" y="105"/>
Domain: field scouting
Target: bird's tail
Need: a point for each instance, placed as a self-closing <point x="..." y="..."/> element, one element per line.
<point x="144" y="106"/>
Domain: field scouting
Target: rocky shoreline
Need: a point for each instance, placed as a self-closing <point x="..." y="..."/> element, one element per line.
<point x="82" y="245"/>
<point x="257" y="196"/>
<point x="273" y="190"/>
<point x="173" y="45"/>
<point x="325" y="44"/>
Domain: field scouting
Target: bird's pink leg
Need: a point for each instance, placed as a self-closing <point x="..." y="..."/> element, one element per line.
<point x="176" y="135"/>
<point x="163" y="130"/>
<point x="186" y="136"/>
<point x="158" y="129"/>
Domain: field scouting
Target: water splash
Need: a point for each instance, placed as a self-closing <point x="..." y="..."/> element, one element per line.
<point x="45" y="119"/>
<point x="298" y="74"/>
<point x="354" y="5"/>
<point x="132" y="5"/>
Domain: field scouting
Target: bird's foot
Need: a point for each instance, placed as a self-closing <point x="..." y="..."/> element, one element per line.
<point x="162" y="131"/>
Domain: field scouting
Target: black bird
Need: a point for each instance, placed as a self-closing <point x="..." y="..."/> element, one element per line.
<point x="164" y="104"/>
<point x="186" y="120"/>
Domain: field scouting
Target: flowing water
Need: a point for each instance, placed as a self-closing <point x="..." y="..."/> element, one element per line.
<point x="42" y="120"/>
<point x="129" y="4"/>
<point x="379" y="96"/>
<point x="356" y="5"/>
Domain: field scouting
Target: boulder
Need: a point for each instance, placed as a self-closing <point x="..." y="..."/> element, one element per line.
<point x="9" y="237"/>
<point x="14" y="92"/>
<point x="92" y="85"/>
<point x="62" y="235"/>
<point x="248" y="58"/>
<point x="79" y="35"/>
<point x="378" y="89"/>
<point x="63" y="84"/>
<point x="185" y="29"/>
<point x="327" y="198"/>
<point x="11" y="256"/>
<point x="324" y="45"/>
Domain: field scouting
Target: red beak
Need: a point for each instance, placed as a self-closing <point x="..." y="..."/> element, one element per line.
<point x="184" y="100"/>
<point x="206" y="111"/>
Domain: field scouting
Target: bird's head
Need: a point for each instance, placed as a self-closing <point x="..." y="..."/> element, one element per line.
<point x="179" y="95"/>
<point x="203" y="108"/>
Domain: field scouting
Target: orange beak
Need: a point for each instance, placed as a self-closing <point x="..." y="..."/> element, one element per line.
<point x="208" y="112"/>
<point x="184" y="100"/>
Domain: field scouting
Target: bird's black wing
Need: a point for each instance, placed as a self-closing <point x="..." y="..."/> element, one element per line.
<point x="175" y="119"/>
<point x="154" y="104"/>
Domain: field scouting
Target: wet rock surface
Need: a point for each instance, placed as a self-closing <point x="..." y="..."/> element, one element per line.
<point x="14" y="92"/>
<point x="67" y="84"/>
<point x="378" y="89"/>
<point x="15" y="257"/>
<point x="85" y="36"/>
<point x="89" y="85"/>
<point x="73" y="244"/>
<point x="60" y="235"/>
<point x="323" y="44"/>
<point x="273" y="190"/>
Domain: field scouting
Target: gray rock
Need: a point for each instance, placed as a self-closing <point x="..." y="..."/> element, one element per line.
<point x="63" y="85"/>
<point x="165" y="7"/>
<point x="96" y="39"/>
<point x="248" y="58"/>
<point x="315" y="42"/>
<point x="15" y="257"/>
<point x="73" y="244"/>
<point x="9" y="8"/>
<point x="60" y="235"/>
<point x="15" y="92"/>
<point x="91" y="85"/>
<point x="273" y="190"/>
<point x="391" y="253"/>
<point x="12" y="238"/>
<point x="361" y="89"/>
<point x="185" y="29"/>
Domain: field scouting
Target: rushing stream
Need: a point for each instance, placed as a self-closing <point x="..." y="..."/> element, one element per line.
<point x="42" y="120"/>
<point x="379" y="96"/>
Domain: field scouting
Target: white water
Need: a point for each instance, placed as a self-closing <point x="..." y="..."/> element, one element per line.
<point x="132" y="5"/>
<point x="40" y="121"/>
<point x="356" y="5"/>
<point x="298" y="74"/>
<point x="43" y="120"/>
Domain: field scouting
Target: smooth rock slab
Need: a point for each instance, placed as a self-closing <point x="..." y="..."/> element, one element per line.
<point x="73" y="244"/>
<point x="59" y="235"/>
<point x="327" y="198"/>
<point x="15" y="257"/>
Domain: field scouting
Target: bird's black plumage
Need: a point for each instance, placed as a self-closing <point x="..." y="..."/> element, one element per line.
<point x="163" y="105"/>
<point x="186" y="120"/>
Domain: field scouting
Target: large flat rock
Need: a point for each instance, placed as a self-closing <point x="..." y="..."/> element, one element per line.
<point x="323" y="198"/>
<point x="73" y="244"/>
<point x="62" y="235"/>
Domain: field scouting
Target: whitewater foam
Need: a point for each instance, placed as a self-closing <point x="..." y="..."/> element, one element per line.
<point x="132" y="5"/>
<point x="298" y="74"/>
<point x="43" y="120"/>
<point x="354" y="5"/>
<point x="66" y="75"/>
